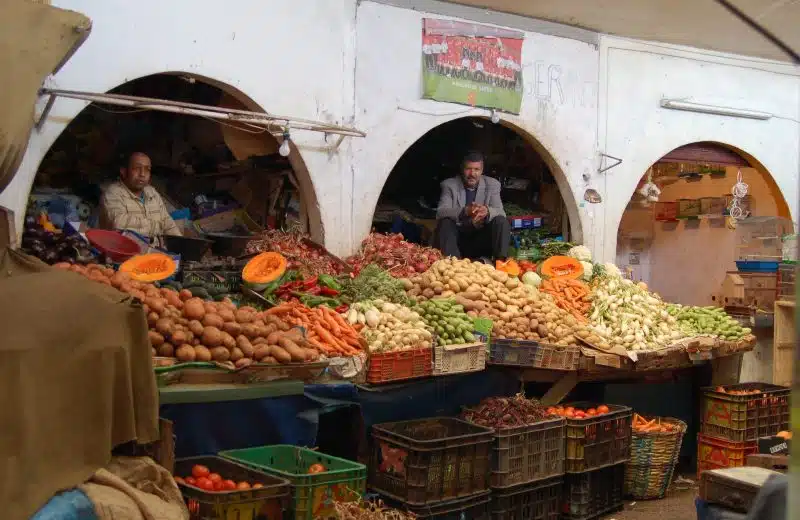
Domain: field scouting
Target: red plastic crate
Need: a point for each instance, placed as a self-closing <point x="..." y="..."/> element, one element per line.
<point x="398" y="366"/>
<point x="741" y="418"/>
<point x="719" y="453"/>
<point x="666" y="211"/>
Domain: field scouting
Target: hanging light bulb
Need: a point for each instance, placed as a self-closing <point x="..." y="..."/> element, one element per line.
<point x="495" y="117"/>
<point x="284" y="148"/>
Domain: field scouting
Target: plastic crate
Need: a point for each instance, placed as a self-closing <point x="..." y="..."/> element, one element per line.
<point x="228" y="279"/>
<point x="312" y="494"/>
<point x="266" y="502"/>
<point x="593" y="493"/>
<point x="666" y="211"/>
<point x="471" y="508"/>
<point x="528" y="453"/>
<point x="537" y="501"/>
<point x="718" y="453"/>
<point x="514" y="352"/>
<point x="741" y="418"/>
<point x="599" y="441"/>
<point x="525" y="222"/>
<point x="399" y="366"/>
<point x="688" y="208"/>
<point x="458" y="359"/>
<point x="426" y="461"/>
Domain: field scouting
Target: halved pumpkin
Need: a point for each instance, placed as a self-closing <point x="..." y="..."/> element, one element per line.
<point x="263" y="269"/>
<point x="561" y="267"/>
<point x="510" y="267"/>
<point x="150" y="267"/>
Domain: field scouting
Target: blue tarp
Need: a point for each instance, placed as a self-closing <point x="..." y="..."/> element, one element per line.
<point x="69" y="505"/>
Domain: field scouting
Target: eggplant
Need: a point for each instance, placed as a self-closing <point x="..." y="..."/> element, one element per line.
<point x="50" y="257"/>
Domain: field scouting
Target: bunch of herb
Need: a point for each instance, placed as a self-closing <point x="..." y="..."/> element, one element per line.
<point x="373" y="283"/>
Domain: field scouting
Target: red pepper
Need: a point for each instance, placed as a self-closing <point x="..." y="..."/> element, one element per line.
<point x="311" y="282"/>
<point x="327" y="291"/>
<point x="342" y="308"/>
<point x="314" y="290"/>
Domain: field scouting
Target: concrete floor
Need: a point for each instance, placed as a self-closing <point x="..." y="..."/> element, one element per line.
<point x="677" y="505"/>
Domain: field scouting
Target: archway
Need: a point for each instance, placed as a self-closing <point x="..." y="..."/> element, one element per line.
<point x="534" y="184"/>
<point x="682" y="241"/>
<point x="226" y="162"/>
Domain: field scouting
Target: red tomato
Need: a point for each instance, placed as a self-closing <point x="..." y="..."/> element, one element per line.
<point x="228" y="485"/>
<point x="551" y="411"/>
<point x="214" y="477"/>
<point x="179" y="480"/>
<point x="218" y="485"/>
<point x="243" y="485"/>
<point x="591" y="412"/>
<point x="580" y="414"/>
<point x="316" y="468"/>
<point x="602" y="409"/>
<point x="258" y="485"/>
<point x="191" y="481"/>
<point x="569" y="409"/>
<point x="204" y="483"/>
<point x="199" y="470"/>
<point x="569" y="415"/>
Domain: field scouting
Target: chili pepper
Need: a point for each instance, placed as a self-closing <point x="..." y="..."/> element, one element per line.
<point x="316" y="290"/>
<point x="314" y="301"/>
<point x="309" y="283"/>
<point x="330" y="282"/>
<point x="342" y="308"/>
<point x="327" y="291"/>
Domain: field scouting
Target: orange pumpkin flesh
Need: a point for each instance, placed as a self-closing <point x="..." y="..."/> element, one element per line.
<point x="561" y="267"/>
<point x="150" y="267"/>
<point x="263" y="269"/>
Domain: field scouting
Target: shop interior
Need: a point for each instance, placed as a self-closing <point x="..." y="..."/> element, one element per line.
<point x="222" y="181"/>
<point x="408" y="201"/>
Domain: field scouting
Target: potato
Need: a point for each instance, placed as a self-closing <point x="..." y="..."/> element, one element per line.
<point x="179" y="337"/>
<point x="202" y="353"/>
<point x="236" y="354"/>
<point x="213" y="320"/>
<point x="185" y="353"/>
<point x="212" y="337"/>
<point x="243" y="362"/>
<point x="280" y="354"/>
<point x="194" y="309"/>
<point x="244" y="316"/>
<point x="245" y="346"/>
<point x="220" y="354"/>
<point x="164" y="326"/>
<point x="156" y="338"/>
<point x="261" y="352"/>
<point x="166" y="350"/>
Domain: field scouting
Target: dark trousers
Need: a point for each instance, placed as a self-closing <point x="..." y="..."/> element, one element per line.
<point x="467" y="241"/>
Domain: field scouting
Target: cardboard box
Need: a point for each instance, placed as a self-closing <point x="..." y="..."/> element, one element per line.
<point x="773" y="462"/>
<point x="774" y="445"/>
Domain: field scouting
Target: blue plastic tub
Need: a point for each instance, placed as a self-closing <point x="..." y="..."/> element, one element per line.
<point x="747" y="266"/>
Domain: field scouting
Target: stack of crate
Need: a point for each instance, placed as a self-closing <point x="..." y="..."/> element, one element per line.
<point x="734" y="417"/>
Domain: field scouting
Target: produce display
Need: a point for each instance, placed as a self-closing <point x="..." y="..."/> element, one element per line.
<point x="53" y="246"/>
<point x="312" y="291"/>
<point x="203" y="478"/>
<point x="506" y="412"/>
<point x="655" y="425"/>
<point x="561" y="267"/>
<point x="695" y="321"/>
<point x="394" y="254"/>
<point x="150" y="267"/>
<point x="389" y="327"/>
<point x="325" y="329"/>
<point x="517" y="309"/>
<point x="448" y="319"/>
<point x="299" y="250"/>
<point x="373" y="283"/>
<point x="571" y="412"/>
<point x="571" y="295"/>
<point x="263" y="269"/>
<point x="738" y="391"/>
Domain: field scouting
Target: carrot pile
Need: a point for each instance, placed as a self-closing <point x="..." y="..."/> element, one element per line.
<point x="642" y="425"/>
<point x="326" y="330"/>
<point x="570" y="295"/>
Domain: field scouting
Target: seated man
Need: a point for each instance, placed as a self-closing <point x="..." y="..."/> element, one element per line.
<point x="131" y="203"/>
<point x="471" y="222"/>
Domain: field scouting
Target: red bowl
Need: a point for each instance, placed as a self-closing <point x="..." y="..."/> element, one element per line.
<point x="113" y="244"/>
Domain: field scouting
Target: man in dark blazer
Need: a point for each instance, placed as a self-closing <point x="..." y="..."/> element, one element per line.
<point x="470" y="219"/>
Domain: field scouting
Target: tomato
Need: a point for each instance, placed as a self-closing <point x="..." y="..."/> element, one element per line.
<point x="591" y="412"/>
<point x="218" y="485"/>
<point x="204" y="483"/>
<point x="316" y="468"/>
<point x="191" y="481"/>
<point x="258" y="485"/>
<point x="569" y="409"/>
<point x="580" y="414"/>
<point x="551" y="411"/>
<point x="243" y="486"/>
<point x="228" y="485"/>
<point x="199" y="470"/>
<point x="215" y="477"/>
<point x="602" y="409"/>
<point x="179" y="480"/>
<point x="569" y="415"/>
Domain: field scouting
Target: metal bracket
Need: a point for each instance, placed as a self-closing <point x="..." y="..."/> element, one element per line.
<point x="603" y="170"/>
<point x="51" y="99"/>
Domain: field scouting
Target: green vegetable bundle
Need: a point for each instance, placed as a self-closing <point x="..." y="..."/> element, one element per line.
<point x="708" y="320"/>
<point x="448" y="319"/>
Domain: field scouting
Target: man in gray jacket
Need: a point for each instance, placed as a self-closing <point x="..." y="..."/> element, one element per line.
<point x="470" y="219"/>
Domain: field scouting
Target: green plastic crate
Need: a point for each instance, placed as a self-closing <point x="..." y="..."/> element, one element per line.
<point x="312" y="494"/>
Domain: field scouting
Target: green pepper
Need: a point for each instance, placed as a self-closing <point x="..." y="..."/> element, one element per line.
<point x="329" y="281"/>
<point x="315" y="301"/>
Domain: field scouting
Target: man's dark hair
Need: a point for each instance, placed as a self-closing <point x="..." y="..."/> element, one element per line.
<point x="124" y="158"/>
<point x="472" y="156"/>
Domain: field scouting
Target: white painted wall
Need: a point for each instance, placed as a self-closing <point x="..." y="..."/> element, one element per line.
<point x="634" y="76"/>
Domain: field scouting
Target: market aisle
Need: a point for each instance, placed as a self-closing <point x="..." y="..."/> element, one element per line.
<point x="677" y="505"/>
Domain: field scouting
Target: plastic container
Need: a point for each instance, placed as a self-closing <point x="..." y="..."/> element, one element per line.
<point x="458" y="359"/>
<point x="472" y="508"/>
<point x="525" y="222"/>
<point x="666" y="211"/>
<point x="190" y="249"/>
<point x="688" y="208"/>
<point x="426" y="461"/>
<point x="593" y="493"/>
<point x="399" y="366"/>
<point x="718" y="453"/>
<point x="653" y="458"/>
<point x="312" y="493"/>
<point x="514" y="352"/>
<point x="536" y="501"/>
<point x="113" y="244"/>
<point x="754" y="266"/>
<point x="267" y="502"/>
<point x="600" y="441"/>
<point x="733" y="488"/>
<point x="741" y="418"/>
<point x="528" y="453"/>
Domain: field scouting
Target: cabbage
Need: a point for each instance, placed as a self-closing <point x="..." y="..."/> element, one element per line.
<point x="588" y="268"/>
<point x="612" y="270"/>
<point x="581" y="253"/>
<point x="531" y="278"/>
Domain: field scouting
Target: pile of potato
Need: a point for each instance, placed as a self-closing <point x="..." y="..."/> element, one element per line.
<point x="519" y="311"/>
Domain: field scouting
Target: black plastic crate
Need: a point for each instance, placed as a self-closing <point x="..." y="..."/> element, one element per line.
<point x="427" y="461"/>
<point x="522" y="353"/>
<point x="528" y="453"/>
<point x="267" y="502"/>
<point x="469" y="508"/>
<point x="599" y="441"/>
<point x="537" y="501"/>
<point x="593" y="493"/>
<point x="745" y="418"/>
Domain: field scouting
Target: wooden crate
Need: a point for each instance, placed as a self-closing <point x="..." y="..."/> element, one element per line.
<point x="783" y="344"/>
